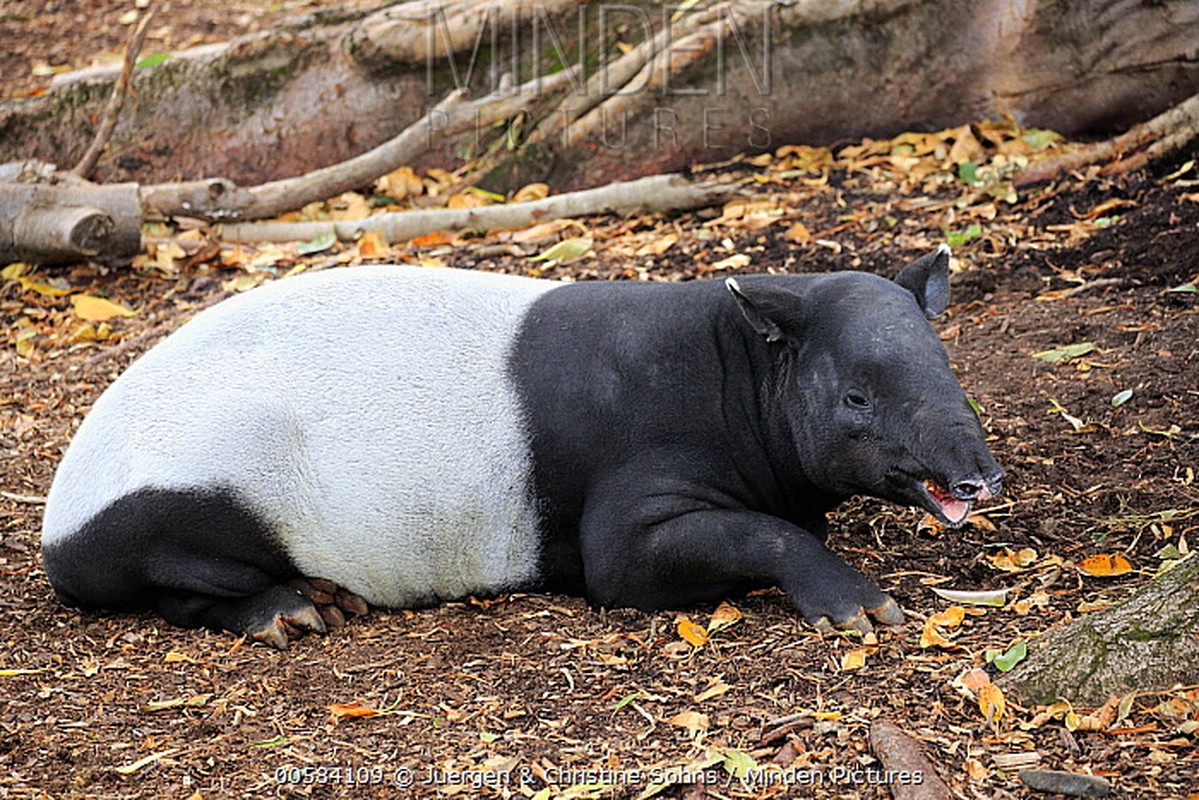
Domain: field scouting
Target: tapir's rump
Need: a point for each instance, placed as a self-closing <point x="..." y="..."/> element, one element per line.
<point x="363" y="415"/>
<point x="416" y="435"/>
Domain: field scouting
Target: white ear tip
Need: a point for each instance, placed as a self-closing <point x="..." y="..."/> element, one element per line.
<point x="732" y="284"/>
<point x="943" y="248"/>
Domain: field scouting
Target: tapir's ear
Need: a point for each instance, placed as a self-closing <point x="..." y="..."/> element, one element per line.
<point x="756" y="311"/>
<point x="928" y="279"/>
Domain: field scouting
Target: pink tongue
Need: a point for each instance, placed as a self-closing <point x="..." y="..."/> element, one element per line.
<point x="954" y="510"/>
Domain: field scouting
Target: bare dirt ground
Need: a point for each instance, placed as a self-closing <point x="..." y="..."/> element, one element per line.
<point x="540" y="696"/>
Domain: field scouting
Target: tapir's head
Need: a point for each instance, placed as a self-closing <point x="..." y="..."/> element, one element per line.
<point x="863" y="385"/>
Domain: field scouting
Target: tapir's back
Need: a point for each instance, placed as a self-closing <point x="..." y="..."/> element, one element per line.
<point x="321" y="403"/>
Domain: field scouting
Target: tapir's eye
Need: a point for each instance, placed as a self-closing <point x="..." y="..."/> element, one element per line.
<point x="856" y="400"/>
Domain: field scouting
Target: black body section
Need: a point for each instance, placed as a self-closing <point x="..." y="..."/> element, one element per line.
<point x="687" y="446"/>
<point x="198" y="558"/>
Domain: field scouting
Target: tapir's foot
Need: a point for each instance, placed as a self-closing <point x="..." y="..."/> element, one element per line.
<point x="333" y="603"/>
<point x="846" y="600"/>
<point x="888" y="613"/>
<point x="277" y="615"/>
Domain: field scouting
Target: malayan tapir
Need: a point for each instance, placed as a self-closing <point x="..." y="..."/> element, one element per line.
<point x="417" y="435"/>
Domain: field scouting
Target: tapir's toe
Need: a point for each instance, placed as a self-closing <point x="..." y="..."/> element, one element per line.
<point x="858" y="622"/>
<point x="889" y="613"/>
<point x="274" y="616"/>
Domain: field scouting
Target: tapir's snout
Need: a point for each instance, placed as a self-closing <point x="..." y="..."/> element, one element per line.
<point x="978" y="488"/>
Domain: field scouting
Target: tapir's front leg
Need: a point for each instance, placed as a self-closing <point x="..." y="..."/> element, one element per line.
<point x="702" y="555"/>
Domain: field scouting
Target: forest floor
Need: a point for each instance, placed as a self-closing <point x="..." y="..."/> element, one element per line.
<point x="539" y="696"/>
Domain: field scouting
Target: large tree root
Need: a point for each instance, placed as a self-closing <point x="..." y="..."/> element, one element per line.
<point x="1148" y="641"/>
<point x="1160" y="136"/>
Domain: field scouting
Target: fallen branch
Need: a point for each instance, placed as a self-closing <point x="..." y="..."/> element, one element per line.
<point x="69" y="222"/>
<point x="1134" y="149"/>
<point x="655" y="193"/>
<point x="913" y="775"/>
<point x="116" y="100"/>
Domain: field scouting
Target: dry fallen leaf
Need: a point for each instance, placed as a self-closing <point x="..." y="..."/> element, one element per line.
<point x="724" y="616"/>
<point x="658" y="246"/>
<point x="1011" y="562"/>
<point x="373" y="245"/>
<point x="715" y="688"/>
<point x="693" y="721"/>
<point x="798" y="233"/>
<point x="693" y="634"/>
<point x="1104" y="565"/>
<point x="973" y="679"/>
<point x="129" y="769"/>
<point x="351" y="710"/>
<point x="991" y="703"/>
<point x="97" y="309"/>
<point x="853" y="659"/>
<point x="533" y="191"/>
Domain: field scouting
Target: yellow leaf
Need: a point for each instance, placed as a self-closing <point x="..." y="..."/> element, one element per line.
<point x="15" y="270"/>
<point x="373" y="245"/>
<point x="466" y="200"/>
<point x="351" y="710"/>
<point x="1104" y="565"/>
<point x="45" y="288"/>
<point x="724" y="616"/>
<point x="565" y="250"/>
<point x="693" y="634"/>
<point x="12" y="673"/>
<point x="239" y="283"/>
<point x="173" y="658"/>
<point x="97" y="309"/>
<point x="853" y="659"/>
<point x="931" y="637"/>
<point x="991" y="703"/>
<point x="129" y="769"/>
<point x="400" y="183"/>
<point x="1011" y="562"/>
<point x="716" y="688"/>
<point x="949" y="618"/>
<point x="534" y="191"/>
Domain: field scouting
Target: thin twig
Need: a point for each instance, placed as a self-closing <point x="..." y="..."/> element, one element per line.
<point x="116" y="100"/>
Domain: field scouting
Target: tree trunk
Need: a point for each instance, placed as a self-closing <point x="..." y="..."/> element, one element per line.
<point x="1149" y="641"/>
<point x="660" y="87"/>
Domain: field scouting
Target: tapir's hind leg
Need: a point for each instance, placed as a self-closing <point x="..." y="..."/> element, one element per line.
<point x="200" y="558"/>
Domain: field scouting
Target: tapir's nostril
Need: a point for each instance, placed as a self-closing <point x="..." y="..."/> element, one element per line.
<point x="968" y="490"/>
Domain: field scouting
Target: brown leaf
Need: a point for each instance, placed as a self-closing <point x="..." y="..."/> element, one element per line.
<point x="724" y="616"/>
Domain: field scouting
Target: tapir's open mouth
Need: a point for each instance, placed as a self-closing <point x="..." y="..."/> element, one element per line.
<point x="950" y="509"/>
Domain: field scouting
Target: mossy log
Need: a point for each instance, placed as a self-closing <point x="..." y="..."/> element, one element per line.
<point x="1148" y="641"/>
